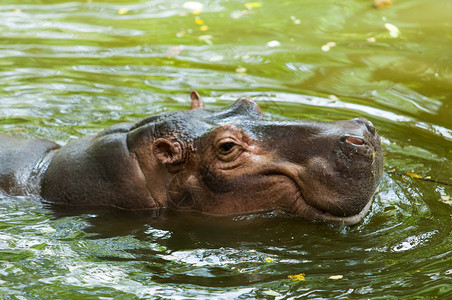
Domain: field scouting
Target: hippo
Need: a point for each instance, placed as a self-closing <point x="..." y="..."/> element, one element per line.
<point x="227" y="161"/>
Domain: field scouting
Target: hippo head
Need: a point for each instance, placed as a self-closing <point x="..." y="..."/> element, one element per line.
<point x="233" y="161"/>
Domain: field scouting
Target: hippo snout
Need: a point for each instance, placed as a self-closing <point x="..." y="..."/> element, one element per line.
<point x="338" y="166"/>
<point x="357" y="171"/>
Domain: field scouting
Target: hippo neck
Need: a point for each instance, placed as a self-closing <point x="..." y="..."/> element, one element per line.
<point x="37" y="173"/>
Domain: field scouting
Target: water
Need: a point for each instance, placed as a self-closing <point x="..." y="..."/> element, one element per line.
<point x="72" y="68"/>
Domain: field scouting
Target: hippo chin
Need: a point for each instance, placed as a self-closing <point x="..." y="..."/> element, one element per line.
<point x="223" y="162"/>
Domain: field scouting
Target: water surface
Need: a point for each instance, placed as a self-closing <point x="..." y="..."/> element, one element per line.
<point x="72" y="68"/>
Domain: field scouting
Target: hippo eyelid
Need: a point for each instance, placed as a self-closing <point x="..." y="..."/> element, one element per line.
<point x="228" y="149"/>
<point x="226" y="144"/>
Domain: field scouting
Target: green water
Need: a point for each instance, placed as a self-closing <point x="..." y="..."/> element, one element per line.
<point x="72" y="68"/>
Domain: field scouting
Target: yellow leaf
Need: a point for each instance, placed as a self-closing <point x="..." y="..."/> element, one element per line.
<point x="336" y="277"/>
<point x="198" y="21"/>
<point x="250" y="5"/>
<point x="203" y="28"/>
<point x="297" y="277"/>
<point x="414" y="175"/>
<point x="269" y="259"/>
<point x="123" y="11"/>
<point x="382" y="3"/>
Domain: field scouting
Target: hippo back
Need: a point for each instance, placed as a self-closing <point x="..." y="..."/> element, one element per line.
<point x="22" y="163"/>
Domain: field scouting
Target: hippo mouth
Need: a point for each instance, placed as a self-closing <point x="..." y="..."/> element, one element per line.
<point x="306" y="210"/>
<point x="321" y="215"/>
<point x="350" y="220"/>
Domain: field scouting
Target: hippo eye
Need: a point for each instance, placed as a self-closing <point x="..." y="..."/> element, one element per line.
<point x="226" y="147"/>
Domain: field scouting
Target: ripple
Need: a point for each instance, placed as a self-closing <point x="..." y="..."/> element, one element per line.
<point x="72" y="68"/>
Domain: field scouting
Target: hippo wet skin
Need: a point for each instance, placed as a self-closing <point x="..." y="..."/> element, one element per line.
<point x="223" y="162"/>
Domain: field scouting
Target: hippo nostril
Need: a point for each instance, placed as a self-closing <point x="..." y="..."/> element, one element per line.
<point x="354" y="140"/>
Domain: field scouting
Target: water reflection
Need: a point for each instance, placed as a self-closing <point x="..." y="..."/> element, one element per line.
<point x="69" y="69"/>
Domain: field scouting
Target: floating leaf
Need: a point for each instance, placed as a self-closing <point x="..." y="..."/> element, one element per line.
<point x="447" y="199"/>
<point x="414" y="175"/>
<point x="333" y="98"/>
<point x="123" y="11"/>
<point x="218" y="58"/>
<point x="174" y="51"/>
<point x="251" y="5"/>
<point x="295" y="20"/>
<point x="382" y="3"/>
<point x="336" y="277"/>
<point x="241" y="70"/>
<point x="328" y="46"/>
<point x="268" y="259"/>
<point x="325" y="48"/>
<point x="199" y="21"/>
<point x="205" y="37"/>
<point x="297" y="277"/>
<point x="273" y="44"/>
<point x="180" y="33"/>
<point x="236" y="14"/>
<point x="47" y="230"/>
<point x="193" y="5"/>
<point x="272" y="293"/>
<point x="393" y="30"/>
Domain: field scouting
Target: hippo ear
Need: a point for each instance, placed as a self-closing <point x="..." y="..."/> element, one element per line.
<point x="167" y="152"/>
<point x="196" y="101"/>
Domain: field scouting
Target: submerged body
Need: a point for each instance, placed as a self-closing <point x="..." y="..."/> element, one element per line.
<point x="229" y="161"/>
